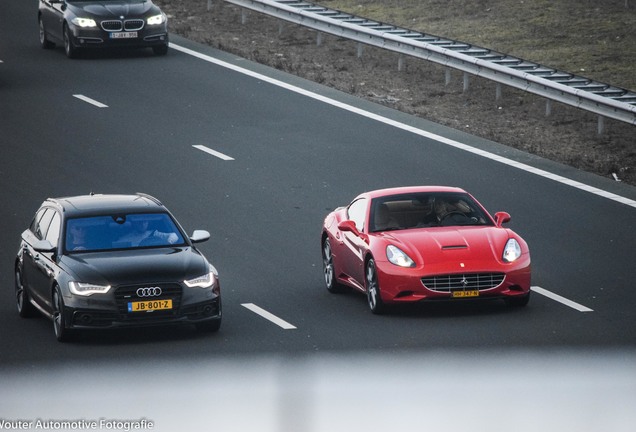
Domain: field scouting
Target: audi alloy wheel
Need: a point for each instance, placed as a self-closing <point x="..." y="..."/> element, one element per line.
<point x="23" y="302"/>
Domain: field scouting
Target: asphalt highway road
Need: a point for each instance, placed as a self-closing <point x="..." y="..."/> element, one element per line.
<point x="258" y="158"/>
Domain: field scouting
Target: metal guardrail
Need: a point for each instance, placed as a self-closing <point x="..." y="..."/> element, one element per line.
<point x="603" y="99"/>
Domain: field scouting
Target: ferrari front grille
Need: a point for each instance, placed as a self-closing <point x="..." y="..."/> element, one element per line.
<point x="463" y="282"/>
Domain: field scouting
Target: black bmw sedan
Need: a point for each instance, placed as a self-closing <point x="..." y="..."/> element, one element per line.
<point x="80" y="24"/>
<point x="104" y="261"/>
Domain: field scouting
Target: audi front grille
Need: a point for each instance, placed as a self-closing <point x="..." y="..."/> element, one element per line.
<point x="126" y="294"/>
<point x="463" y="282"/>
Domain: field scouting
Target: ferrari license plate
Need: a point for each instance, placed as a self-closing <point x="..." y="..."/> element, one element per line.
<point x="123" y="35"/>
<point x="149" y="305"/>
<point x="464" y="294"/>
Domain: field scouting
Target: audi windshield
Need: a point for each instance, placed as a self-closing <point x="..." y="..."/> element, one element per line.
<point x="121" y="231"/>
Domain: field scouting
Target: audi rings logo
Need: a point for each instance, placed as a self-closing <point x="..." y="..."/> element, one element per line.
<point x="149" y="292"/>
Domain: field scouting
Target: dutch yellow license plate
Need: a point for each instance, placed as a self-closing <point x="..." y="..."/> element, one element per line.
<point x="464" y="294"/>
<point x="149" y="305"/>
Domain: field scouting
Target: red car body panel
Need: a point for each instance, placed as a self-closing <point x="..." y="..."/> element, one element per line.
<point x="460" y="251"/>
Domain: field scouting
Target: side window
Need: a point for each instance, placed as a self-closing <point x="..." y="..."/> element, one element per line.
<point x="35" y="223"/>
<point x="53" y="233"/>
<point x="357" y="212"/>
<point x="42" y="223"/>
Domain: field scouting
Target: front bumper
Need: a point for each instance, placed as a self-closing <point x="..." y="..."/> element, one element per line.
<point x="148" y="36"/>
<point x="188" y="306"/>
<point x="474" y="281"/>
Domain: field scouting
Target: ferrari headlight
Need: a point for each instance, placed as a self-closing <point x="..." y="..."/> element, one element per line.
<point x="396" y="256"/>
<point x="204" y="281"/>
<point x="512" y="251"/>
<point x="86" y="289"/>
<point x="84" y="22"/>
<point x="156" y="19"/>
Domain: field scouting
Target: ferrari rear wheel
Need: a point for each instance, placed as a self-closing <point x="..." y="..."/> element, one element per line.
<point x="374" y="298"/>
<point x="328" y="269"/>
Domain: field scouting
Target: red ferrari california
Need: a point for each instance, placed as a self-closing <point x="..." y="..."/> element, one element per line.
<point x="425" y="243"/>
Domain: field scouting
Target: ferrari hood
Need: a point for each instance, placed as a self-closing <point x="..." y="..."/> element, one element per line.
<point x="139" y="266"/>
<point x="444" y="244"/>
<point x="117" y="9"/>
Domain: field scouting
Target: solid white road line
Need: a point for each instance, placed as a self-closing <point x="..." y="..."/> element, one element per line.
<point x="414" y="130"/>
<point x="560" y="299"/>
<point x="268" y="316"/>
<point x="213" y="152"/>
<point x="90" y="101"/>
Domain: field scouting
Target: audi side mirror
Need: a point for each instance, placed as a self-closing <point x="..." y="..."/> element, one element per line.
<point x="43" y="246"/>
<point x="199" y="236"/>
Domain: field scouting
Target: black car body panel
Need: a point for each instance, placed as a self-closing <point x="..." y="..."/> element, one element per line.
<point x="131" y="282"/>
<point x="105" y="24"/>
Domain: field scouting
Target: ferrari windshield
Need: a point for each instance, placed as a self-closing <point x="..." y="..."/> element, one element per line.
<point x="422" y="210"/>
<point x="121" y="231"/>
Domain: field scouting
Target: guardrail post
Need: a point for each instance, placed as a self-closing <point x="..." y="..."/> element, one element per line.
<point x="318" y="38"/>
<point x="447" y="78"/>
<point x="280" y="27"/>
<point x="498" y="92"/>
<point x="209" y="4"/>
<point x="243" y="16"/>
<point x="600" y="129"/>
<point x="360" y="49"/>
<point x="548" y="107"/>
<point x="466" y="81"/>
<point x="400" y="63"/>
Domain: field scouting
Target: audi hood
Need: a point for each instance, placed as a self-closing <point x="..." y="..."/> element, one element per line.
<point x="136" y="266"/>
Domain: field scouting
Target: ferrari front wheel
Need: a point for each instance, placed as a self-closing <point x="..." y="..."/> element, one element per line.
<point x="328" y="268"/>
<point x="374" y="298"/>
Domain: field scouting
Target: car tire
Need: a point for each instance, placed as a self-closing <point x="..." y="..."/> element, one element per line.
<point x="518" y="301"/>
<point x="44" y="42"/>
<point x="23" y="301"/>
<point x="210" y="326"/>
<point x="62" y="333"/>
<point x="71" y="50"/>
<point x="374" y="298"/>
<point x="160" y="50"/>
<point x="328" y="268"/>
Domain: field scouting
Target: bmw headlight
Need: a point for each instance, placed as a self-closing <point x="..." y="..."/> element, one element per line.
<point x="396" y="256"/>
<point x="84" y="22"/>
<point x="204" y="281"/>
<point x="86" y="289"/>
<point x="512" y="251"/>
<point x="156" y="19"/>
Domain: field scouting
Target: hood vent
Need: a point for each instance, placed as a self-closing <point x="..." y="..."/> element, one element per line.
<point x="450" y="247"/>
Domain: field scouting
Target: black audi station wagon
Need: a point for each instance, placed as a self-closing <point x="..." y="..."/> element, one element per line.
<point x="83" y="24"/>
<point x="105" y="261"/>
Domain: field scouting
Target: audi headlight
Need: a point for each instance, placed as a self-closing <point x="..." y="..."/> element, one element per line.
<point x="396" y="256"/>
<point x="84" y="22"/>
<point x="156" y="19"/>
<point x="86" y="289"/>
<point x="204" y="281"/>
<point x="512" y="251"/>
